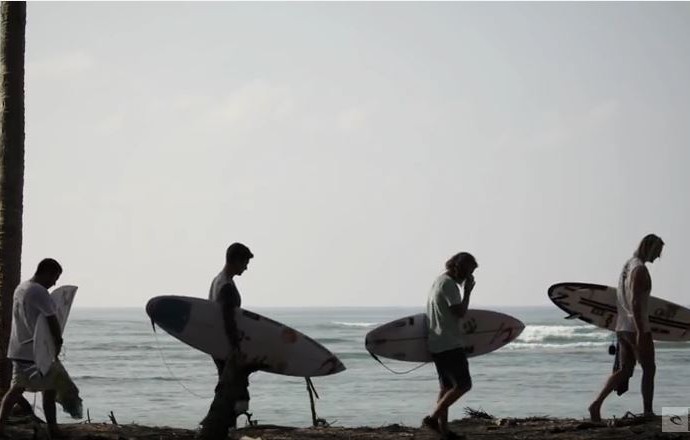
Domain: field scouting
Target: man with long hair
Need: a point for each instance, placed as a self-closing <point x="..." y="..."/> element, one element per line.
<point x="635" y="342"/>
<point x="445" y="307"/>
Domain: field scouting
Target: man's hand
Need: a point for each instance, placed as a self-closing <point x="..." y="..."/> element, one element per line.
<point x="469" y="284"/>
<point x="643" y="342"/>
<point x="58" y="347"/>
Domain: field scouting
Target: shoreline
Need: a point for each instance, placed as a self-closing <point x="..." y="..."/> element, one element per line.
<point x="473" y="427"/>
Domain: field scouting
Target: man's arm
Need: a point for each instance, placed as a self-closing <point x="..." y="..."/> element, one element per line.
<point x="228" y="299"/>
<point x="41" y="300"/>
<point x="459" y="310"/>
<point x="55" y="331"/>
<point x="641" y="286"/>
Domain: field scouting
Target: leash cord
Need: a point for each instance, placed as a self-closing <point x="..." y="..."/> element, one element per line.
<point x="175" y="378"/>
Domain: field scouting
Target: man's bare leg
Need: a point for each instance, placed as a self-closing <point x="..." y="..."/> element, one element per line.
<point x="449" y="397"/>
<point x="443" y="416"/>
<point x="627" y="364"/>
<point x="648" y="372"/>
<point x="611" y="384"/>
<point x="49" y="411"/>
<point x="25" y="406"/>
<point x="648" y="390"/>
<point x="8" y="401"/>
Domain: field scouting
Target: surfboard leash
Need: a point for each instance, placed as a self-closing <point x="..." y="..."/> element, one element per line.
<point x="393" y="371"/>
<point x="175" y="378"/>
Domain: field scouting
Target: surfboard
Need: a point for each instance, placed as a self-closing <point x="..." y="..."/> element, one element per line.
<point x="44" y="346"/>
<point x="279" y="348"/>
<point x="596" y="304"/>
<point x="404" y="339"/>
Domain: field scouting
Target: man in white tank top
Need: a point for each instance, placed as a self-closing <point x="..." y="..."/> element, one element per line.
<point x="632" y="326"/>
<point x="231" y="395"/>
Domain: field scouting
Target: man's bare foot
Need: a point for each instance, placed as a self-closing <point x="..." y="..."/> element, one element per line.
<point x="431" y="423"/>
<point x="55" y="432"/>
<point x="595" y="412"/>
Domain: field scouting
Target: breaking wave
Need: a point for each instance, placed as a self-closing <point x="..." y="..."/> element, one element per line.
<point x="564" y="334"/>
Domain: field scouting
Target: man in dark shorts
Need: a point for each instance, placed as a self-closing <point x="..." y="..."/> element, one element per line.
<point x="635" y="344"/>
<point x="445" y="307"/>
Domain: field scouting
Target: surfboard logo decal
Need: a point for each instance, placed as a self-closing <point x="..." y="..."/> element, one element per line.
<point x="288" y="335"/>
<point x="652" y="319"/>
<point x="469" y="326"/>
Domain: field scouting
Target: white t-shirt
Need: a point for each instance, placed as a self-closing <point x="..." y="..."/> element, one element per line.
<point x="625" y="321"/>
<point x="444" y="325"/>
<point x="30" y="301"/>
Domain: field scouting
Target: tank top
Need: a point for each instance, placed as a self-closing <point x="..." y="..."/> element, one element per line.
<point x="625" y="321"/>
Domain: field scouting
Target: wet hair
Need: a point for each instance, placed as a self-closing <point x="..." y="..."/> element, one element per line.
<point x="48" y="266"/>
<point x="237" y="251"/>
<point x="647" y="244"/>
<point x="461" y="259"/>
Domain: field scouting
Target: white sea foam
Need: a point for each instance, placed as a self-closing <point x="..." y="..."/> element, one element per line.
<point x="553" y="346"/>
<point x="562" y="333"/>
<point x="356" y="324"/>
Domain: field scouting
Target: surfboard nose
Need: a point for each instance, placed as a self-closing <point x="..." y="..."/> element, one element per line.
<point x="151" y="306"/>
<point x="171" y="313"/>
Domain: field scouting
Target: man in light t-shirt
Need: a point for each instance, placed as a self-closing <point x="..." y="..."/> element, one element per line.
<point x="445" y="307"/>
<point x="31" y="300"/>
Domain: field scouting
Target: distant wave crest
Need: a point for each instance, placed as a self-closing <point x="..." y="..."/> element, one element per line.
<point x="563" y="334"/>
<point x="552" y="346"/>
<point x="355" y="324"/>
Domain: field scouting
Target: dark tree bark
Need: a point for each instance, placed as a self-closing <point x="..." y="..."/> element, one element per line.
<point x="12" y="35"/>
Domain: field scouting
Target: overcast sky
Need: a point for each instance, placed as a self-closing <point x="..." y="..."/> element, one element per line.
<point x="355" y="146"/>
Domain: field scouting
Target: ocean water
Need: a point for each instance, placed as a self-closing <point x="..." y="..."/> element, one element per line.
<point x="555" y="367"/>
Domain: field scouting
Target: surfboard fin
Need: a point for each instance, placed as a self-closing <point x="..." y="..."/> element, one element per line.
<point x="573" y="316"/>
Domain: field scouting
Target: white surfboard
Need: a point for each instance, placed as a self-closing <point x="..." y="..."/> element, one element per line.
<point x="279" y="348"/>
<point x="404" y="339"/>
<point x="596" y="305"/>
<point x="44" y="346"/>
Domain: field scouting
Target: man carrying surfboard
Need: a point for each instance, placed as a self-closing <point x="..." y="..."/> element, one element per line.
<point x="445" y="306"/>
<point x="632" y="326"/>
<point x="224" y="291"/>
<point x="31" y="299"/>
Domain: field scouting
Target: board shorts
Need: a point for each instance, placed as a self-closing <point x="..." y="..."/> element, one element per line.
<point x="25" y="374"/>
<point x="452" y="368"/>
<point x="629" y="353"/>
<point x="242" y="403"/>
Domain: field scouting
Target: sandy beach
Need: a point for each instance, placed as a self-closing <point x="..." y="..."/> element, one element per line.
<point x="473" y="428"/>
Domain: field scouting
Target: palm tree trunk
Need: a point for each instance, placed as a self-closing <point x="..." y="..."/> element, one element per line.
<point x="12" y="35"/>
